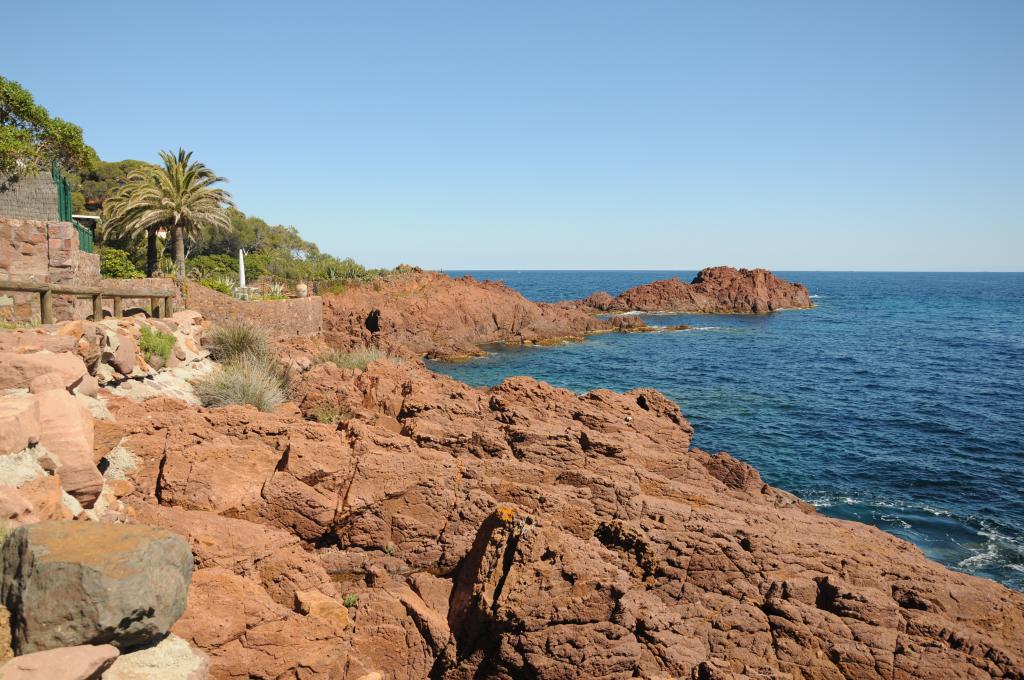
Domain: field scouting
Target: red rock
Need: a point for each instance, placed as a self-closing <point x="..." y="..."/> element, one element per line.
<point x="716" y="290"/>
<point x="431" y="313"/>
<point x="527" y="531"/>
<point x="67" y="431"/>
<point x="83" y="662"/>
<point x="19" y="370"/>
<point x="19" y="422"/>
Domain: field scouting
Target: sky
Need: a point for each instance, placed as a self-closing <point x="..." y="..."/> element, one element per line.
<point x="570" y="135"/>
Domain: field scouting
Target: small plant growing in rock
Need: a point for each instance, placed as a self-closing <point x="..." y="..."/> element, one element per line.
<point x="389" y="550"/>
<point x="331" y="415"/>
<point x="357" y="358"/>
<point x="249" y="380"/>
<point x="351" y="600"/>
<point x="156" y="344"/>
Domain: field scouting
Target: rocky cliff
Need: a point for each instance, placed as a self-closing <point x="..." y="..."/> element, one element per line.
<point x="716" y="290"/>
<point x="435" y="314"/>
<point x="526" y="531"/>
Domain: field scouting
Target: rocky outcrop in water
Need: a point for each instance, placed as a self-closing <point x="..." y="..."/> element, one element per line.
<point x="431" y="313"/>
<point x="716" y="290"/>
<point x="427" y="313"/>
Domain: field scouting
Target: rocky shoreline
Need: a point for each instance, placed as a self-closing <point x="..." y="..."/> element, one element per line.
<point x="395" y="523"/>
<point x="428" y="313"/>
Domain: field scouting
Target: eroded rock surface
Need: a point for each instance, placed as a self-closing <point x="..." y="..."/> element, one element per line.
<point x="526" y="531"/>
<point x="432" y="313"/>
<point x="718" y="290"/>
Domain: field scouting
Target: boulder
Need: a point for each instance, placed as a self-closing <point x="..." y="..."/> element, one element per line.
<point x="170" y="659"/>
<point x="19" y="422"/>
<point x="67" y="432"/>
<point x="82" y="662"/>
<point x="72" y="583"/>
<point x="19" y="370"/>
<point x="315" y="603"/>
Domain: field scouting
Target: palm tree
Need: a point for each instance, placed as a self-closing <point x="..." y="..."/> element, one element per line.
<point x="178" y="196"/>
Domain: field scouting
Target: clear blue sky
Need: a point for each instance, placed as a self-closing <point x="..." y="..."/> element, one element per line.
<point x="588" y="134"/>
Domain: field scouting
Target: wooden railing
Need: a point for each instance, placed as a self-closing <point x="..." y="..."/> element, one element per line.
<point x="161" y="303"/>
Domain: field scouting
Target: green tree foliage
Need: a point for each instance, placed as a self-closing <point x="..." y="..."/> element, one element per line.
<point x="92" y="185"/>
<point x="272" y="250"/>
<point x="179" y="196"/>
<point x="30" y="138"/>
<point x="115" y="264"/>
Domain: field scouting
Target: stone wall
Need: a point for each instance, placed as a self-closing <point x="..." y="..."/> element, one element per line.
<point x="280" y="318"/>
<point x="29" y="198"/>
<point x="37" y="250"/>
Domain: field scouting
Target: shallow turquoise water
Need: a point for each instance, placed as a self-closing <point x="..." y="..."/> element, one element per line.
<point x="898" y="401"/>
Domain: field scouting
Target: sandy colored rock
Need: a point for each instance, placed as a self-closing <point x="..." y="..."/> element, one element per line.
<point x="81" y="662"/>
<point x="72" y="583"/>
<point x="315" y="603"/>
<point x="170" y="659"/>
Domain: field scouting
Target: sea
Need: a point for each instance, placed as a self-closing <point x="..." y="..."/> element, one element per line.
<point x="897" y="401"/>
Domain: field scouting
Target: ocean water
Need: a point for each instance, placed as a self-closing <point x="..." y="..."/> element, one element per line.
<point x="898" y="401"/>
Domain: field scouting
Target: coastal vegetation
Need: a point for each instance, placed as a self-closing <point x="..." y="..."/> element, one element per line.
<point x="156" y="344"/>
<point x="246" y="380"/>
<point x="146" y="207"/>
<point x="30" y="138"/>
<point x="250" y="372"/>
<point x="229" y="342"/>
<point x="357" y="358"/>
<point x="179" y="197"/>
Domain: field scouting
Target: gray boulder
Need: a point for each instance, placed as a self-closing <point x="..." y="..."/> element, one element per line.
<point x="75" y="583"/>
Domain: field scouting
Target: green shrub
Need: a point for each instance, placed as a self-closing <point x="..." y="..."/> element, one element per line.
<point x="351" y="600"/>
<point x="156" y="343"/>
<point x="116" y="264"/>
<point x="249" y="380"/>
<point x="357" y="358"/>
<point x="213" y="266"/>
<point x="331" y="415"/>
<point x="220" y="285"/>
<point x="231" y="341"/>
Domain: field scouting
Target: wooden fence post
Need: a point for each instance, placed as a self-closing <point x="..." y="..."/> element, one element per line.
<point x="97" y="307"/>
<point x="118" y="306"/>
<point x="46" y="306"/>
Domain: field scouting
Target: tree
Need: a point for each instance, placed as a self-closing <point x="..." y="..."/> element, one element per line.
<point x="30" y="139"/>
<point x="178" y="195"/>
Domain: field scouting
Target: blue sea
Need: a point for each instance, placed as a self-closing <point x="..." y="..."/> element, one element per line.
<point x="898" y="401"/>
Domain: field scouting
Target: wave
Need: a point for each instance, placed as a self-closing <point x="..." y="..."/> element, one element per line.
<point x="980" y="547"/>
<point x="815" y="296"/>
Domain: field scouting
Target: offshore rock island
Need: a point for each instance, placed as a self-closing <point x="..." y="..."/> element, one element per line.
<point x="389" y="522"/>
<point x="716" y="290"/>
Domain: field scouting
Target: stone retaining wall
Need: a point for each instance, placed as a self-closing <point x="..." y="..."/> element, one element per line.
<point x="279" y="318"/>
<point x="44" y="251"/>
